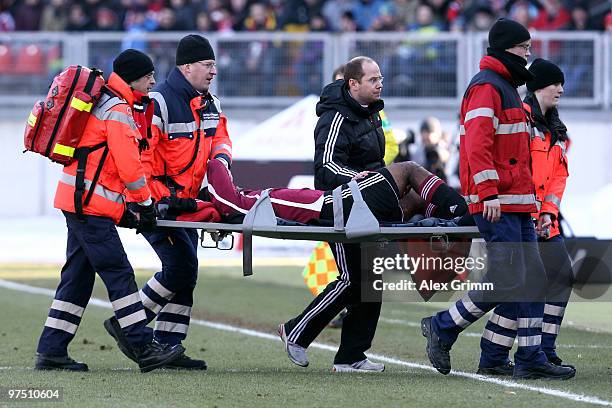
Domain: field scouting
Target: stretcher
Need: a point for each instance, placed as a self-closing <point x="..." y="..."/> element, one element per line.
<point x="360" y="226"/>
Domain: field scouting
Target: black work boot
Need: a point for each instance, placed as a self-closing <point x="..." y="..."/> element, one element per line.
<point x="503" y="370"/>
<point x="46" y="362"/>
<point x="114" y="329"/>
<point x="558" y="362"/>
<point x="184" y="362"/>
<point x="546" y="371"/>
<point x="154" y="355"/>
<point x="438" y="352"/>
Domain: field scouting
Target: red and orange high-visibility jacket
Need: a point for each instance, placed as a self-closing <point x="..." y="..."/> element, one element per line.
<point x="188" y="130"/>
<point x="494" y="142"/>
<point x="549" y="167"/>
<point x="122" y="175"/>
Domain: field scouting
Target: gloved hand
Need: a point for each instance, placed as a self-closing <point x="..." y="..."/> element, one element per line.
<point x="145" y="215"/>
<point x="177" y="205"/>
<point x="204" y="195"/>
<point x="128" y="220"/>
<point x="183" y="204"/>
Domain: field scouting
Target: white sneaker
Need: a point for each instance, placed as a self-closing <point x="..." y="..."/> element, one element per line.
<point x="296" y="353"/>
<point x="363" y="366"/>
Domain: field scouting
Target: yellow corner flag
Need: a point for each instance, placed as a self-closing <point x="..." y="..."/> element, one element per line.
<point x="321" y="268"/>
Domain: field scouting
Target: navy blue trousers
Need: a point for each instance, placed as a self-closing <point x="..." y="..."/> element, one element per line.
<point x="168" y="295"/>
<point x="514" y="268"/>
<point x="93" y="246"/>
<point x="557" y="264"/>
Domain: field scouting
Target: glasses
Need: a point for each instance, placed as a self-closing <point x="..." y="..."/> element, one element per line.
<point x="526" y="47"/>
<point x="208" y="65"/>
<point x="376" y="80"/>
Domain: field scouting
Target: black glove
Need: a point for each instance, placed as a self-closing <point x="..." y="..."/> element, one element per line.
<point x="128" y="220"/>
<point x="177" y="205"/>
<point x="183" y="204"/>
<point x="204" y="195"/>
<point x="145" y="215"/>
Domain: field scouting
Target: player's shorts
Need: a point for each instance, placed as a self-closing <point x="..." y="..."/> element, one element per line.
<point x="379" y="192"/>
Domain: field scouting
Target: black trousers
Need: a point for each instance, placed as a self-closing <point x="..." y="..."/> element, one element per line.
<point x="359" y="325"/>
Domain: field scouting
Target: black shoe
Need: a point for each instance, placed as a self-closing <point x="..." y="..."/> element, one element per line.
<point x="437" y="351"/>
<point x="504" y="370"/>
<point x="337" y="322"/>
<point x="154" y="355"/>
<point x="546" y="371"/>
<point x="184" y="362"/>
<point x="558" y="362"/>
<point x="45" y="362"/>
<point x="114" y="329"/>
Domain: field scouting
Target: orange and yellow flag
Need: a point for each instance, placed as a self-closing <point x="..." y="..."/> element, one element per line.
<point x="321" y="268"/>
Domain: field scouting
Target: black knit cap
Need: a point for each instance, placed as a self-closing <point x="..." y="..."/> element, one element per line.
<point x="193" y="48"/>
<point x="132" y="64"/>
<point x="506" y="34"/>
<point x="546" y="73"/>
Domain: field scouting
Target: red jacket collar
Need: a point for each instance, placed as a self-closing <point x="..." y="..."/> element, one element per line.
<point x="492" y="63"/>
<point x="121" y="88"/>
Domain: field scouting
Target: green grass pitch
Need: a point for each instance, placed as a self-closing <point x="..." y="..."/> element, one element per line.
<point x="250" y="371"/>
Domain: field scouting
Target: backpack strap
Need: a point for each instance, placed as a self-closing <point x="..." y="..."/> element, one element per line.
<point x="80" y="154"/>
<point x="172" y="185"/>
<point x="107" y="101"/>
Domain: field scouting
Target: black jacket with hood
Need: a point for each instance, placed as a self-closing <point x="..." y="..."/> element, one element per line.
<point x="348" y="137"/>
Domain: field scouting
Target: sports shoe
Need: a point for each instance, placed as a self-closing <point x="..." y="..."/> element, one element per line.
<point x="546" y="371"/>
<point x="46" y="362"/>
<point x="155" y="355"/>
<point x="114" y="329"/>
<point x="296" y="353"/>
<point x="504" y="370"/>
<point x="363" y="366"/>
<point x="437" y="352"/>
<point x="184" y="362"/>
<point x="558" y="362"/>
<point x="338" y="321"/>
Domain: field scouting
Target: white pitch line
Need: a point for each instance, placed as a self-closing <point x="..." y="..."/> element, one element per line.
<point x="584" y="346"/>
<point x="390" y="360"/>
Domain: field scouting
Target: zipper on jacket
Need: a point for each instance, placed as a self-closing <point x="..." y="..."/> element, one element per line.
<point x="375" y="129"/>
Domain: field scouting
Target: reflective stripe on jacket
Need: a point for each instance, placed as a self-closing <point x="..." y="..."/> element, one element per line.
<point x="188" y="130"/>
<point x="122" y="175"/>
<point x="494" y="142"/>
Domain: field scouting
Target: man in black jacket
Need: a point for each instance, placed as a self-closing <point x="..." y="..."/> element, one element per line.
<point x="349" y="141"/>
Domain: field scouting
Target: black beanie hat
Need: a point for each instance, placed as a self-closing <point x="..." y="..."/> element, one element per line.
<point x="193" y="48"/>
<point x="506" y="34"/>
<point x="132" y="64"/>
<point x="546" y="73"/>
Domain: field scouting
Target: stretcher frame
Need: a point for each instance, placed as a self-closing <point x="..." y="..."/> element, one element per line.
<point x="361" y="226"/>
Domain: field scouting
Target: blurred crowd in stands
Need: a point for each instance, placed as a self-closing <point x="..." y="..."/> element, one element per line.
<point x="299" y="15"/>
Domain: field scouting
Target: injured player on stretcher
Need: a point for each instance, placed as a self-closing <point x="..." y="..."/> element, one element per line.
<point x="393" y="194"/>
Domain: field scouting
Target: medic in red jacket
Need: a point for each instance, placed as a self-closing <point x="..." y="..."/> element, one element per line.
<point x="122" y="175"/>
<point x="495" y="142"/>
<point x="185" y="137"/>
<point x="549" y="145"/>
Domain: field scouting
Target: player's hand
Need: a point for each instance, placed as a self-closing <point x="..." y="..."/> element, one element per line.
<point x="360" y="175"/>
<point x="492" y="210"/>
<point x="543" y="225"/>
